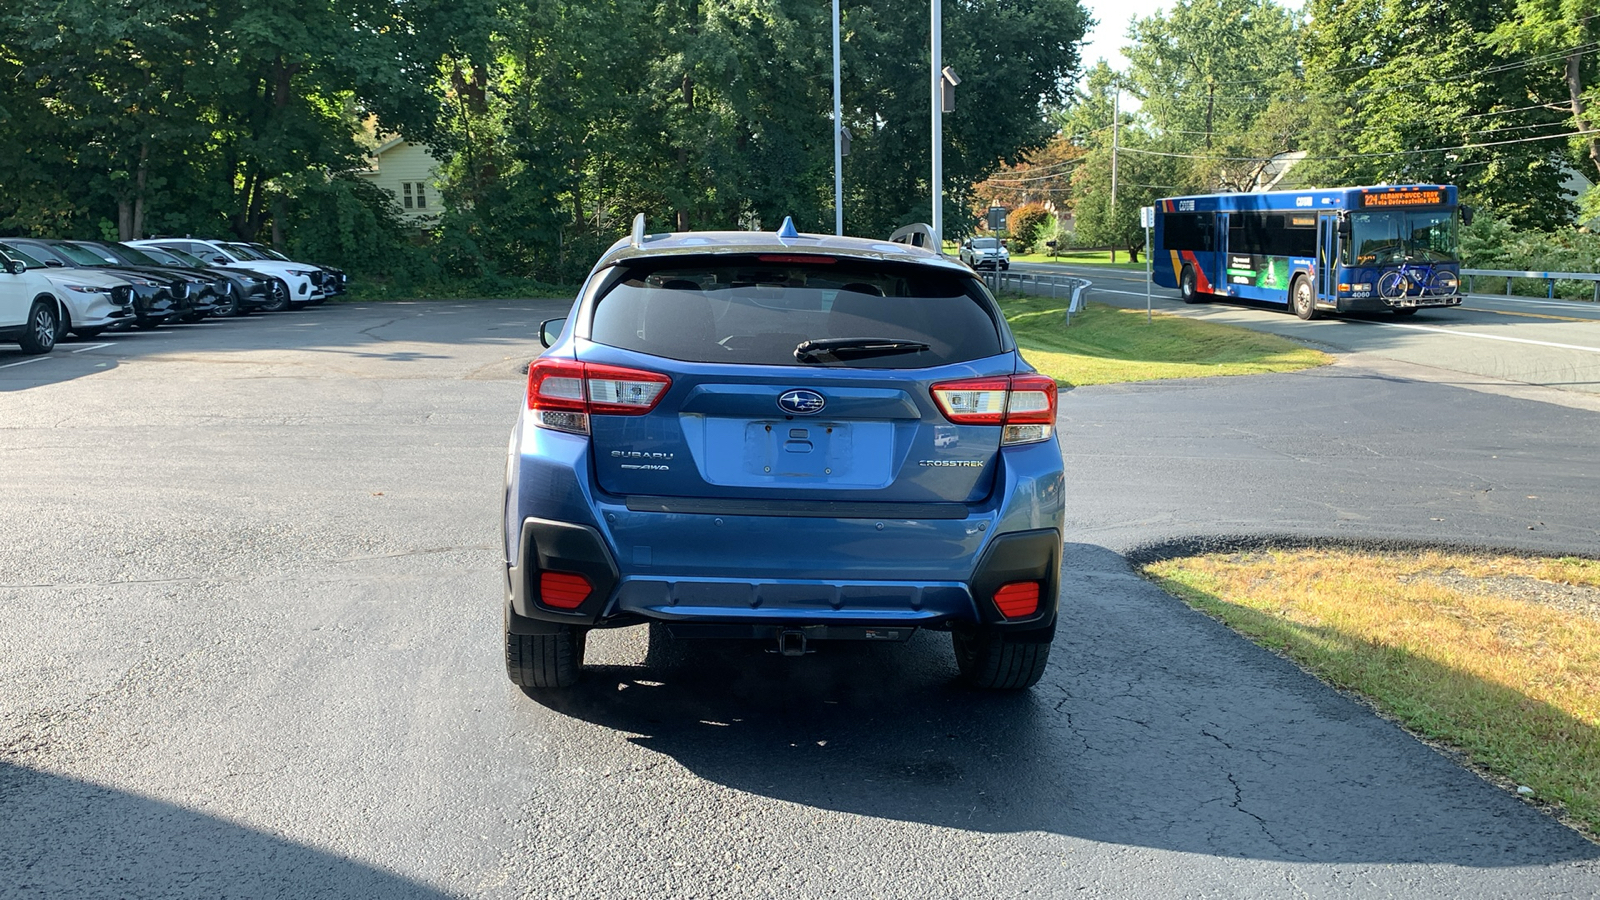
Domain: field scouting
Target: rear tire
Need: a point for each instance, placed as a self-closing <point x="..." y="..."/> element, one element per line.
<point x="1302" y="300"/>
<point x="1189" y="285"/>
<point x="44" y="325"/>
<point x="995" y="660"/>
<point x="538" y="662"/>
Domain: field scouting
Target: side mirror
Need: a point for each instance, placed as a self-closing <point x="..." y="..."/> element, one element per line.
<point x="550" y="331"/>
<point x="55" y="263"/>
<point x="1467" y="212"/>
<point x="220" y="260"/>
<point x="1344" y="229"/>
<point x="15" y="266"/>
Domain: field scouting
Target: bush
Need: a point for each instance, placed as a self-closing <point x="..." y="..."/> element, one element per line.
<point x="1025" y="221"/>
<point x="1494" y="243"/>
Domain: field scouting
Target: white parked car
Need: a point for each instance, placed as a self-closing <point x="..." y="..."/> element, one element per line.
<point x="92" y="301"/>
<point x="300" y="283"/>
<point x="29" y="313"/>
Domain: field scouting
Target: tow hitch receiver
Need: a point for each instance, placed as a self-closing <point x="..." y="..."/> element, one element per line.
<point x="792" y="642"/>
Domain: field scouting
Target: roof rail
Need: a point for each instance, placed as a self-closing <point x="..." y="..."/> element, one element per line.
<point x="917" y="234"/>
<point x="638" y="230"/>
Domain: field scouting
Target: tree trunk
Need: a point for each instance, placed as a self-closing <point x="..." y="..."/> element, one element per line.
<point x="1575" y="88"/>
<point x="279" y="212"/>
<point x="139" y="183"/>
<point x="683" y="151"/>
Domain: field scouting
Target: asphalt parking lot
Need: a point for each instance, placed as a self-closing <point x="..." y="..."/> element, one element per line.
<point x="249" y="646"/>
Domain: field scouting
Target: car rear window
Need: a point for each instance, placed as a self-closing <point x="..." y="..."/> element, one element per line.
<point x="758" y="309"/>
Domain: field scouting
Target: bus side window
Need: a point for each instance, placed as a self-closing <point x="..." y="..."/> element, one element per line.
<point x="1189" y="231"/>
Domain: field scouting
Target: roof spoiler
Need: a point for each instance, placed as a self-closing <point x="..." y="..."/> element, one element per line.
<point x="917" y="234"/>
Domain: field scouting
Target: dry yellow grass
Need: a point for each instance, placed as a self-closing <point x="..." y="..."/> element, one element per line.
<point x="1496" y="656"/>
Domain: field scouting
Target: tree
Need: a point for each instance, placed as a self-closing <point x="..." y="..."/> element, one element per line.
<point x="1217" y="80"/>
<point x="1563" y="32"/>
<point x="1400" y="91"/>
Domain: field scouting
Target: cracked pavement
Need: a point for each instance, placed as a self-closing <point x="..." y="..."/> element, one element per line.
<point x="249" y="646"/>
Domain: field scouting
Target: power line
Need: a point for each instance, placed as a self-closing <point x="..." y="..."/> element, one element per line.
<point x="1543" y="137"/>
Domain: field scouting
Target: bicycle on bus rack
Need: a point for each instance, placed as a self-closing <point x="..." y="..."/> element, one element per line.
<point x="1425" y="279"/>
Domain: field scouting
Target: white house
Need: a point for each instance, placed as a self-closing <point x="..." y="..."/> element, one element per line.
<point x="411" y="175"/>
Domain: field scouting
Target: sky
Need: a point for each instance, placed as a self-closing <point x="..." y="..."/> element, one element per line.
<point x="1107" y="38"/>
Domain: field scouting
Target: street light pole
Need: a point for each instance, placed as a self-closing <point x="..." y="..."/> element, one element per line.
<point x="938" y="128"/>
<point x="838" y="134"/>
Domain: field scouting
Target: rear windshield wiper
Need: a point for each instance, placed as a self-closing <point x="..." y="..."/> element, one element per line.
<point x="841" y="349"/>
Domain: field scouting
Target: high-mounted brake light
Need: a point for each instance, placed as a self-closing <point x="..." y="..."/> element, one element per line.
<point x="797" y="258"/>
<point x="1025" y="405"/>
<point x="565" y="392"/>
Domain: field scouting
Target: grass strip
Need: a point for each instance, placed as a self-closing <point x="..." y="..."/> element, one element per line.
<point x="1497" y="657"/>
<point x="1107" y="344"/>
<point x="1082" y="258"/>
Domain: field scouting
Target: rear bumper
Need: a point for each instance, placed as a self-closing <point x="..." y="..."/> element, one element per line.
<point x="756" y="605"/>
<point x="734" y="568"/>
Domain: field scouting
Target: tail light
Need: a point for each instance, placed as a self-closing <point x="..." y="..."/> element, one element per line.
<point x="1017" y="599"/>
<point x="565" y="393"/>
<point x="1024" y="405"/>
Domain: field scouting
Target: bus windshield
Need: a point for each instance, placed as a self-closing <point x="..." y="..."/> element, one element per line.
<point x="1392" y="236"/>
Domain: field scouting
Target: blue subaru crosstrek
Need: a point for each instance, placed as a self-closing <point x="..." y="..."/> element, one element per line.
<point x="784" y="437"/>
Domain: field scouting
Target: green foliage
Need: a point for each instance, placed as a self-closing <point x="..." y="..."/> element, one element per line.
<point x="1218" y="80"/>
<point x="206" y="117"/>
<point x="557" y="120"/>
<point x="1404" y="92"/>
<point x="1492" y="242"/>
<point x="1026" y="220"/>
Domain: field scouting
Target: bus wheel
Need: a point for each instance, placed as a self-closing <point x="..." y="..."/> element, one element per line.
<point x="1188" y="285"/>
<point x="1405" y="310"/>
<point x="1302" y="300"/>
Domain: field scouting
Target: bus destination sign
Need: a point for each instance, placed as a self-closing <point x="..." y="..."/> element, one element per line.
<point x="1433" y="197"/>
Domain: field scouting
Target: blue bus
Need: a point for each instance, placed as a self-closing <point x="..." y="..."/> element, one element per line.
<point x="1360" y="249"/>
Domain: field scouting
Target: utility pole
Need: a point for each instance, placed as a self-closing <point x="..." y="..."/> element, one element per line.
<point x="1116" y="119"/>
<point x="838" y="134"/>
<point x="938" y="128"/>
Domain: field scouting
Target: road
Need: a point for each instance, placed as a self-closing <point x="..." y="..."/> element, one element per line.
<point x="249" y="646"/>
<point x="1551" y="343"/>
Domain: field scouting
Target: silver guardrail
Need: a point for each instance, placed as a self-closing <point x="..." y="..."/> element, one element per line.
<point x="1549" y="278"/>
<point x="1040" y="284"/>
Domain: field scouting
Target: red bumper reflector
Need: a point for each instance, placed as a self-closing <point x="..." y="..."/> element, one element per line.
<point x="564" y="591"/>
<point x="1018" y="599"/>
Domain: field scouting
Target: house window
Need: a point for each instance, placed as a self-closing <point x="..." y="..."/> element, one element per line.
<point x="422" y="197"/>
<point x="406" y="187"/>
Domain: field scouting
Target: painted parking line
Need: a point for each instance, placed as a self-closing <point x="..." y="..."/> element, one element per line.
<point x="25" y="362"/>
<point x="89" y="347"/>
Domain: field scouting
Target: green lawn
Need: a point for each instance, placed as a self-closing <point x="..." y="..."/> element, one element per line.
<point x="1105" y="345"/>
<point x="1082" y="258"/>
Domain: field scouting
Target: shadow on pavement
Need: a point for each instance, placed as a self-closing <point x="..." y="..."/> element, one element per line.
<point x="60" y="837"/>
<point x="1155" y="727"/>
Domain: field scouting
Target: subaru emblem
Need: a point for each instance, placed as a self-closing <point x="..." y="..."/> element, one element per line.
<point x="801" y="402"/>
